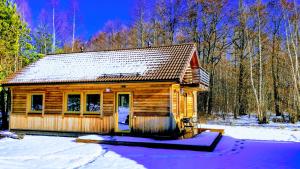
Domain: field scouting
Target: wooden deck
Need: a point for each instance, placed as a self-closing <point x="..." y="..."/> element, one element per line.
<point x="200" y="130"/>
<point x="204" y="143"/>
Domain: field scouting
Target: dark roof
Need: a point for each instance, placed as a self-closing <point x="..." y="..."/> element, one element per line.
<point x="140" y="64"/>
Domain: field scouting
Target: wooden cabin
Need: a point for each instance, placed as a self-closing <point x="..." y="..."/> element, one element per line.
<point x="143" y="90"/>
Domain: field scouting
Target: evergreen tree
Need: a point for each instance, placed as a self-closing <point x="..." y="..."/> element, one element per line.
<point x="14" y="38"/>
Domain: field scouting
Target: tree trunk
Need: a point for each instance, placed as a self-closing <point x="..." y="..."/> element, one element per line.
<point x="74" y="28"/>
<point x="3" y="110"/>
<point x="294" y="117"/>
<point x="241" y="104"/>
<point x="53" y="27"/>
<point x="275" y="79"/>
<point x="210" y="94"/>
<point x="262" y="113"/>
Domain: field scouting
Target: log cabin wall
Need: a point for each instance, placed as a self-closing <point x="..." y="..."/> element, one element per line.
<point x="176" y="102"/>
<point x="151" y="108"/>
<point x="184" y="102"/>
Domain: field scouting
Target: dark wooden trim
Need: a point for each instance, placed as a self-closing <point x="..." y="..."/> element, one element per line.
<point x="147" y="114"/>
<point x="35" y="114"/>
<point x="51" y="133"/>
<point x="190" y="84"/>
<point x="51" y="113"/>
<point x="107" y="114"/>
<point x="68" y="114"/>
<point x="215" y="142"/>
<point x="91" y="114"/>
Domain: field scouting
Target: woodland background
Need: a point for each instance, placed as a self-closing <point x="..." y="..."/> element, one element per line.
<point x="250" y="48"/>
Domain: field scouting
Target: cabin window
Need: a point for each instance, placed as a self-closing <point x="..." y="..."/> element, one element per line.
<point x="35" y="103"/>
<point x="93" y="102"/>
<point x="73" y="102"/>
<point x="88" y="102"/>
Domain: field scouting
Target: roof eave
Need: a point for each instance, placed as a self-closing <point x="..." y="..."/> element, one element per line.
<point x="90" y="82"/>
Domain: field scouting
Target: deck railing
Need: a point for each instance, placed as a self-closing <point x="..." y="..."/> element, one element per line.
<point x="204" y="77"/>
<point x="197" y="76"/>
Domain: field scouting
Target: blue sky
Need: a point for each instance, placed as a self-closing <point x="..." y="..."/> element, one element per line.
<point x="93" y="14"/>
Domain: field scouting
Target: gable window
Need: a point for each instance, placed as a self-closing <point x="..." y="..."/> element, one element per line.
<point x="93" y="102"/>
<point x="73" y="102"/>
<point x="35" y="103"/>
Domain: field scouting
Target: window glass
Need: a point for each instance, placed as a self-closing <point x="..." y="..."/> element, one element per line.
<point x="36" y="102"/>
<point x="93" y="102"/>
<point x="73" y="102"/>
<point x="123" y="100"/>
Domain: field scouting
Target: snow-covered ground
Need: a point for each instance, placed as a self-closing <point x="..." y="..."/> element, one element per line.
<point x="60" y="152"/>
<point x="259" y="133"/>
<point x="251" y="120"/>
<point x="45" y="152"/>
<point x="248" y="128"/>
<point x="242" y="146"/>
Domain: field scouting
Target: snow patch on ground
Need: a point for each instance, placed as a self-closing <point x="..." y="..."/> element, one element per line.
<point x="91" y="137"/>
<point x="57" y="153"/>
<point x="251" y="120"/>
<point x="258" y="133"/>
<point x="246" y="127"/>
<point x="8" y="134"/>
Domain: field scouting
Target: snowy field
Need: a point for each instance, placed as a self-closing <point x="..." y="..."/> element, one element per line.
<point x="244" y="145"/>
<point x="248" y="128"/>
<point x="241" y="147"/>
<point x="252" y="121"/>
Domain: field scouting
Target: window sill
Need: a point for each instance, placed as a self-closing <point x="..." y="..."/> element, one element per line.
<point x="72" y="113"/>
<point x="35" y="112"/>
<point x="92" y="113"/>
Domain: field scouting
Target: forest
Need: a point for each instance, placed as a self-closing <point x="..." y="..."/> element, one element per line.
<point x="249" y="47"/>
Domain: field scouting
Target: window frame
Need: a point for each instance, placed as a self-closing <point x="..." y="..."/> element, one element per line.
<point x="29" y="103"/>
<point x="100" y="112"/>
<point x="65" y="103"/>
<point x="83" y="98"/>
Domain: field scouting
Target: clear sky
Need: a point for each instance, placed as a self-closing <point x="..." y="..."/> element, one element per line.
<point x="93" y="14"/>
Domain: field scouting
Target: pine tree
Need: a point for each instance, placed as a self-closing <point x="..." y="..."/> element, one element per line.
<point x="13" y="43"/>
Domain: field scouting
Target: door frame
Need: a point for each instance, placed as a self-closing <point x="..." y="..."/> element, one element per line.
<point x="117" y="113"/>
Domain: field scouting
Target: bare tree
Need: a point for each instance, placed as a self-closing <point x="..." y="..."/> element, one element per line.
<point x="240" y="47"/>
<point x="140" y="22"/>
<point x="261" y="113"/>
<point x="54" y="4"/>
<point x="291" y="18"/>
<point x="215" y="32"/>
<point x="169" y="12"/>
<point x="75" y="9"/>
<point x="275" y="21"/>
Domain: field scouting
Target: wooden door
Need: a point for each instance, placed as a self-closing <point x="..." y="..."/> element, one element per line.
<point x="123" y="111"/>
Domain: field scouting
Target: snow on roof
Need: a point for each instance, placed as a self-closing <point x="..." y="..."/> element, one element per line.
<point x="153" y="63"/>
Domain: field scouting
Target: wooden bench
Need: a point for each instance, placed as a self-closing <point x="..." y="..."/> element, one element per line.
<point x="211" y="129"/>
